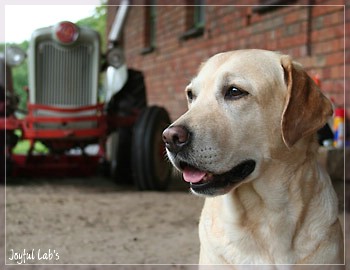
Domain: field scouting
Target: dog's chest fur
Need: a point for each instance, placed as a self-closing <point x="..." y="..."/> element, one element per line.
<point x="255" y="225"/>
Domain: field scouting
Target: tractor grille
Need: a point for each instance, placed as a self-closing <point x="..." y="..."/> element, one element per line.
<point x="64" y="75"/>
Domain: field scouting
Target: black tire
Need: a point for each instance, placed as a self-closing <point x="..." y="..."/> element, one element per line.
<point x="2" y="156"/>
<point x="151" y="171"/>
<point x="120" y="167"/>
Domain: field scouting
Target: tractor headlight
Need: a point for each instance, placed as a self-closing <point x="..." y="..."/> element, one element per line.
<point x="14" y="56"/>
<point x="66" y="32"/>
<point x="115" y="57"/>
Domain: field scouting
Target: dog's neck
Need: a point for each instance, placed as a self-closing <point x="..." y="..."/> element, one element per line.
<point x="276" y="205"/>
<point x="292" y="174"/>
<point x="273" y="193"/>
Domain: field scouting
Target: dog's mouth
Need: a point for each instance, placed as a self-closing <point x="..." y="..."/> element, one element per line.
<point x="210" y="184"/>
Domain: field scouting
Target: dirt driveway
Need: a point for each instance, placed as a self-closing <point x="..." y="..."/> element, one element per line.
<point x="94" y="221"/>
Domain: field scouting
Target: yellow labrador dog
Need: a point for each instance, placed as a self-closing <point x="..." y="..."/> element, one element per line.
<point x="248" y="144"/>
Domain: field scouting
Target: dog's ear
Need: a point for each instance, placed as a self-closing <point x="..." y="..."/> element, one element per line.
<point x="306" y="109"/>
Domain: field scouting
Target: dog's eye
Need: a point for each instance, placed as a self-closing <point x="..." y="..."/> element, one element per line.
<point x="190" y="96"/>
<point x="233" y="93"/>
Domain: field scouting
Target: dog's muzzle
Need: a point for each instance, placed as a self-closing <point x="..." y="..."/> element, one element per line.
<point x="210" y="184"/>
<point x="202" y="182"/>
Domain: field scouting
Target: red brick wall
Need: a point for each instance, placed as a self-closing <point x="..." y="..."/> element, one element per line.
<point x="313" y="35"/>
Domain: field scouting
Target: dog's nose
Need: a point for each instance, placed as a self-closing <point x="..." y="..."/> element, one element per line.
<point x="175" y="138"/>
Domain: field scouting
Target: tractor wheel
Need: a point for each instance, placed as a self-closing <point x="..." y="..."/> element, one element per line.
<point x="120" y="167"/>
<point x="151" y="171"/>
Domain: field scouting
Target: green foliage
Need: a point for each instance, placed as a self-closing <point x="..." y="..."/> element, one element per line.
<point x="97" y="22"/>
<point x="23" y="146"/>
<point x="20" y="78"/>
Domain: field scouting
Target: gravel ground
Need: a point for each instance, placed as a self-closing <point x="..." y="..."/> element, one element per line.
<point x="94" y="222"/>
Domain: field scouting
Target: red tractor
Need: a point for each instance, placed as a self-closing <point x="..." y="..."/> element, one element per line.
<point x="64" y="111"/>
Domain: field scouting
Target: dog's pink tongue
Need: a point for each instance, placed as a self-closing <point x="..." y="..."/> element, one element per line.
<point x="193" y="175"/>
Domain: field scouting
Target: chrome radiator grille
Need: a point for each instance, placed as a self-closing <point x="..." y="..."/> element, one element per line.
<point x="64" y="76"/>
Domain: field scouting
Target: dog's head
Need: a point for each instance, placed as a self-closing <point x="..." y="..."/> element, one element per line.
<point x="245" y="107"/>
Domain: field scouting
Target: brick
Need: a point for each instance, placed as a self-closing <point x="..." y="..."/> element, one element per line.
<point x="335" y="18"/>
<point x="171" y="66"/>
<point x="328" y="33"/>
<point x="329" y="2"/>
<point x="335" y="58"/>
<point x="296" y="16"/>
<point x="333" y="86"/>
<point x="338" y="99"/>
<point x="329" y="46"/>
<point x="322" y="10"/>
